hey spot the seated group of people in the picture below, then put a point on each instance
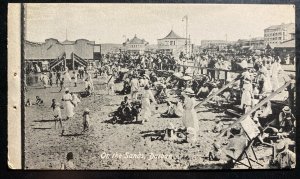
(38, 101)
(127, 111)
(175, 110)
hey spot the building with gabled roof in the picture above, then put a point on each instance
(173, 43)
(172, 35)
(135, 45)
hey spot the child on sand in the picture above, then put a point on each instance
(86, 120)
(61, 84)
(39, 101)
(69, 164)
(28, 102)
(53, 104)
(57, 116)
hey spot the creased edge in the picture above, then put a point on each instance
(14, 86)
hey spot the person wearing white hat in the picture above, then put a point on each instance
(275, 70)
(45, 79)
(67, 98)
(75, 100)
(286, 120)
(67, 76)
(265, 77)
(146, 105)
(247, 95)
(189, 117)
(134, 83)
(284, 158)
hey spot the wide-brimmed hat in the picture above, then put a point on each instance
(187, 78)
(286, 109)
(281, 146)
(86, 110)
(67, 89)
(214, 85)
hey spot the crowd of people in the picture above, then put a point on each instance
(151, 79)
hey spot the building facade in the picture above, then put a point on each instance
(73, 53)
(256, 43)
(277, 34)
(221, 44)
(136, 45)
(173, 43)
(52, 48)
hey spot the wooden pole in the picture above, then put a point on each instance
(257, 106)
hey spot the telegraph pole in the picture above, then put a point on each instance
(186, 32)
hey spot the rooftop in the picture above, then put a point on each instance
(286, 44)
(279, 26)
(172, 35)
(136, 40)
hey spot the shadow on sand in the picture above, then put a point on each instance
(113, 121)
(72, 135)
(41, 128)
(52, 120)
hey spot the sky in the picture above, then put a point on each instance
(113, 23)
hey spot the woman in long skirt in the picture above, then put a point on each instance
(67, 98)
(247, 96)
(67, 76)
(189, 118)
(146, 105)
(275, 70)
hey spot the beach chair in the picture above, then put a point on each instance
(244, 144)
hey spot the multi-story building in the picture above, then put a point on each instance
(173, 43)
(135, 45)
(277, 34)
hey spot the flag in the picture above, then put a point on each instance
(185, 17)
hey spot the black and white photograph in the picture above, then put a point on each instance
(158, 86)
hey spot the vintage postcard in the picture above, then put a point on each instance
(151, 86)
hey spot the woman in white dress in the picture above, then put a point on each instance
(67, 98)
(45, 80)
(275, 70)
(267, 86)
(189, 117)
(247, 95)
(67, 76)
(75, 99)
(146, 105)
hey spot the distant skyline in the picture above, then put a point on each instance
(111, 23)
